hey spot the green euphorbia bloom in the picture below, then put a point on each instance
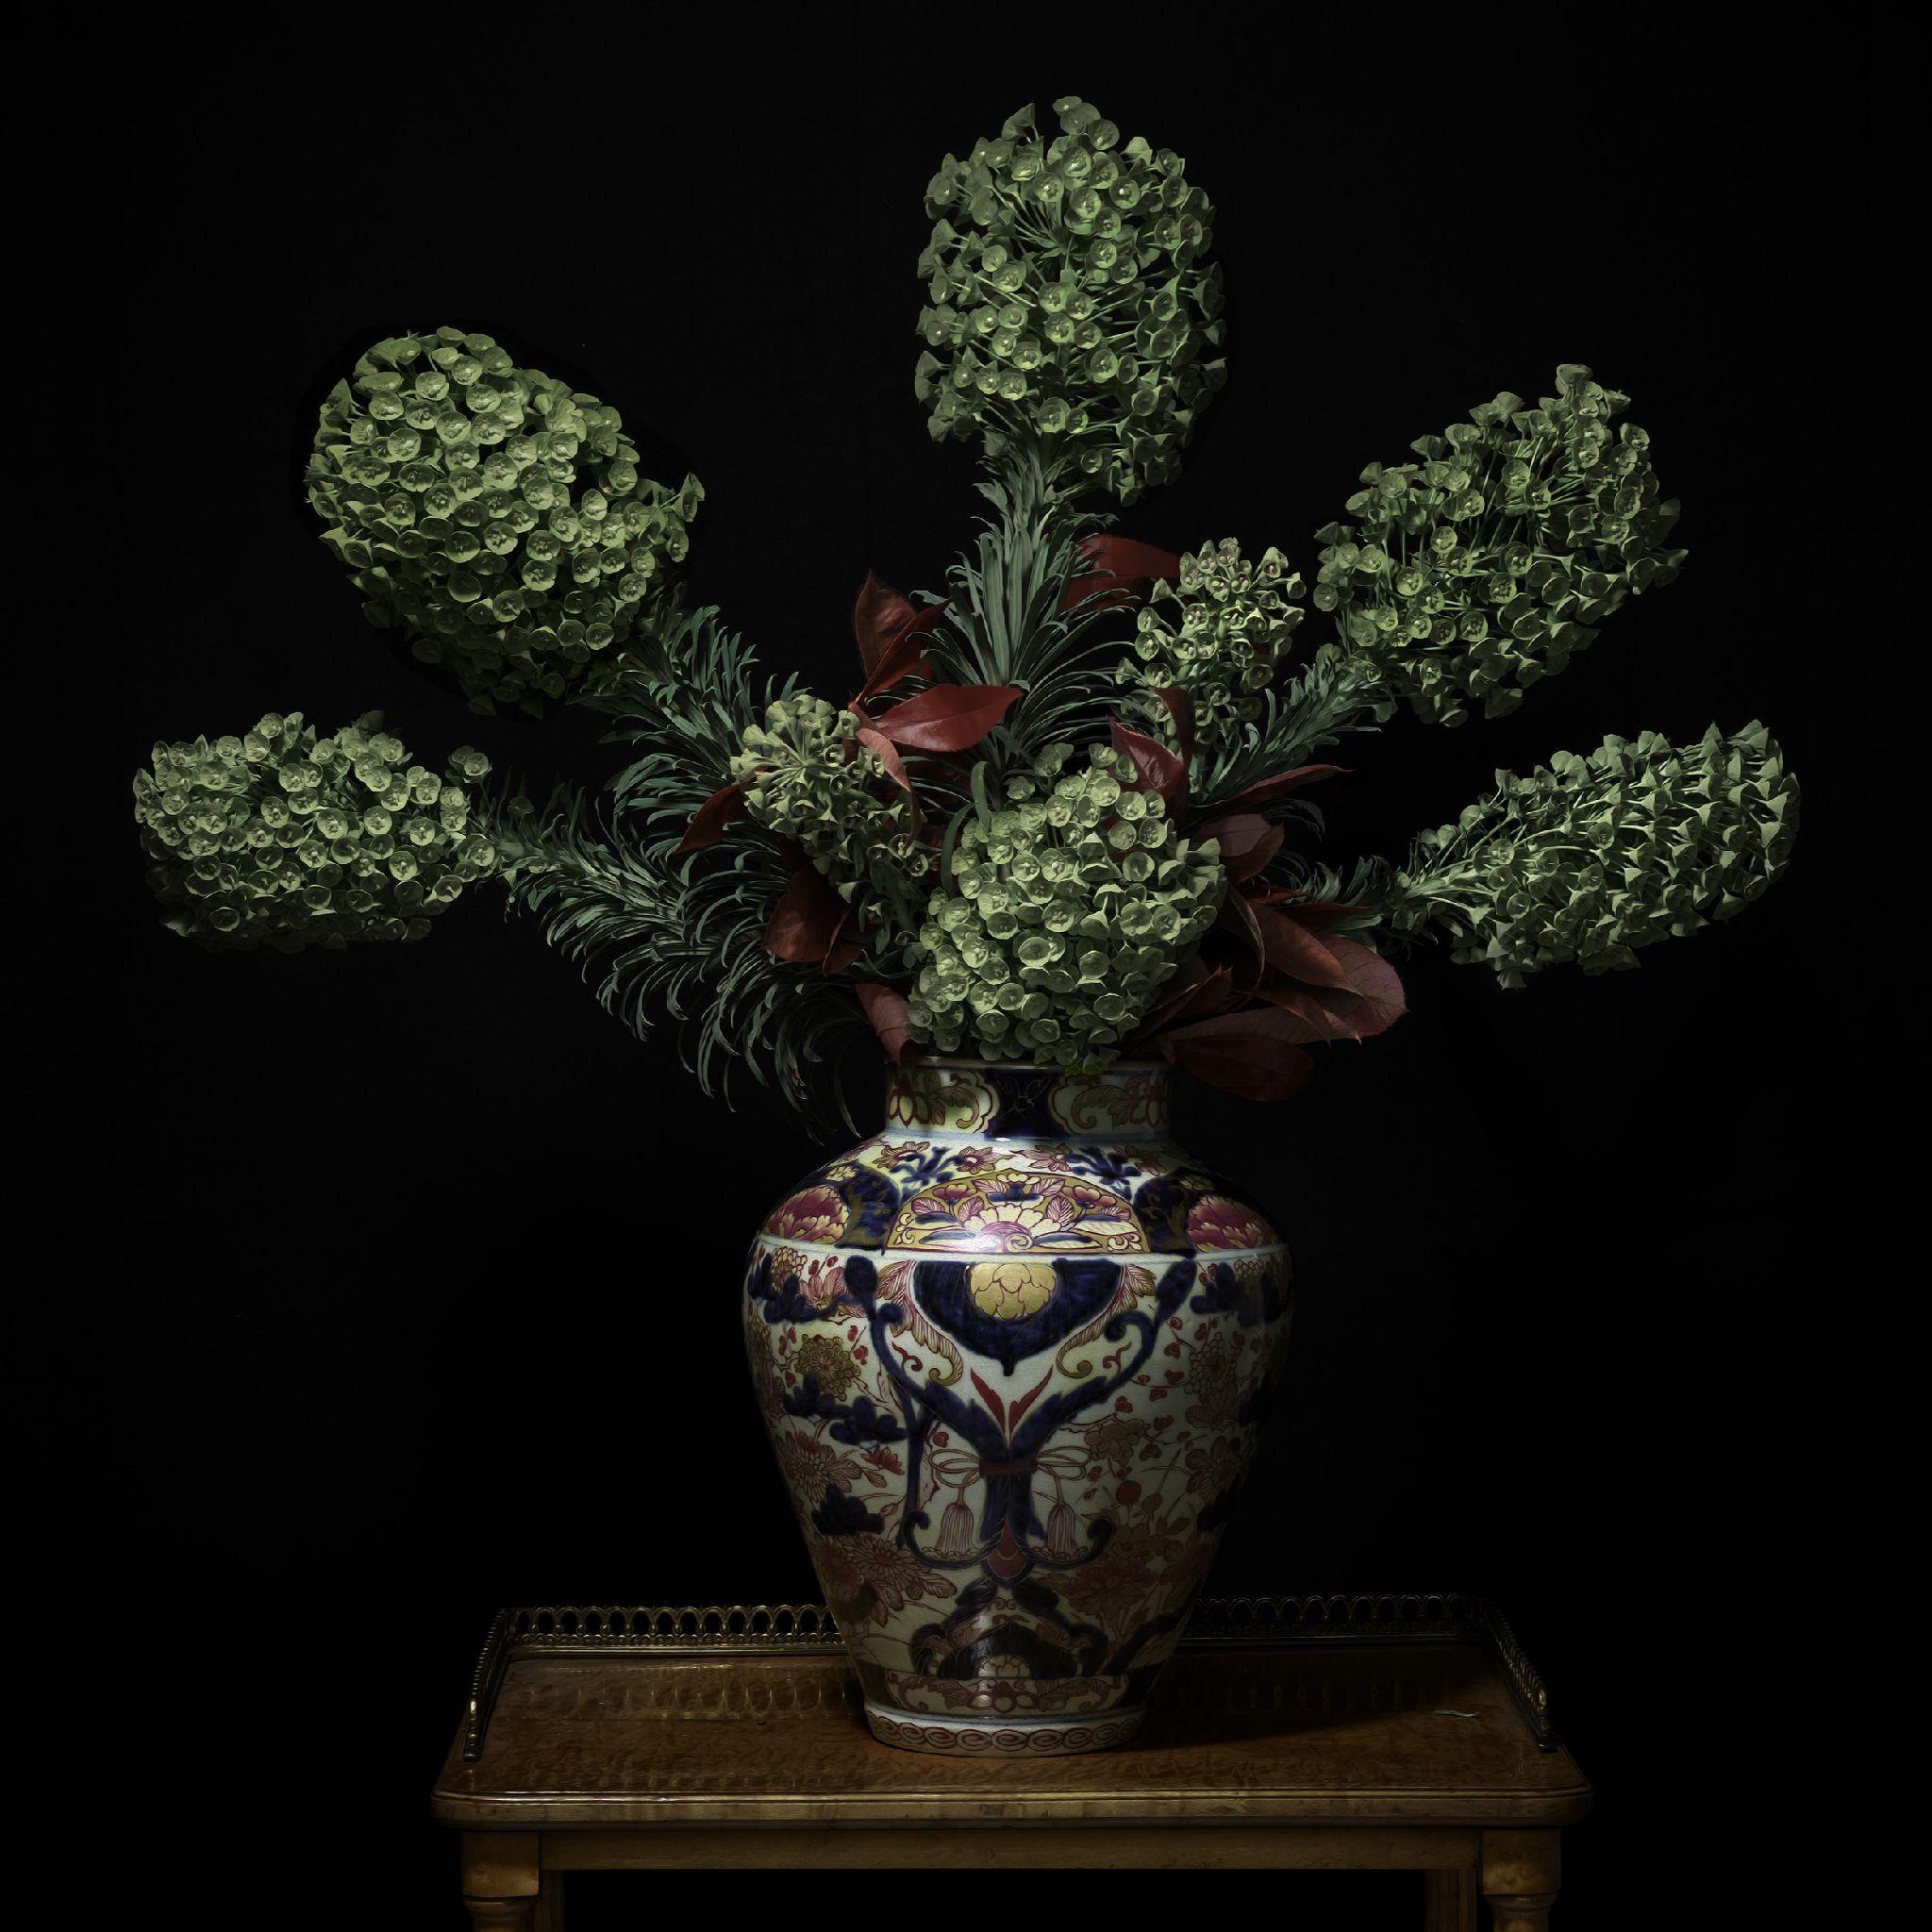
(806, 776)
(1589, 858)
(1218, 635)
(283, 839)
(1068, 911)
(1465, 578)
(494, 515)
(1068, 299)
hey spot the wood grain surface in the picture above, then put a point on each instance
(1396, 1735)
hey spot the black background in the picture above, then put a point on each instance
(414, 1275)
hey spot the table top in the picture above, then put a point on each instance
(1417, 1721)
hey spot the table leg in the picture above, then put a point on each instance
(1520, 1873)
(503, 1879)
(1452, 1901)
(518, 1915)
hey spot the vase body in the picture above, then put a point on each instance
(1013, 1352)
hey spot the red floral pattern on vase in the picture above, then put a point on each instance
(865, 1576)
(1216, 1221)
(813, 1214)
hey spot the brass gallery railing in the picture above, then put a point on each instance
(606, 1630)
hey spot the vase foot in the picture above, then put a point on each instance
(1033, 1736)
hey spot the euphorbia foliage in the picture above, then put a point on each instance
(1060, 811)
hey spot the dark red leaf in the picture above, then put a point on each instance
(842, 948)
(1330, 1015)
(709, 822)
(929, 619)
(889, 1011)
(1382, 1002)
(905, 657)
(1247, 842)
(1282, 784)
(888, 753)
(1371, 1002)
(1118, 563)
(1317, 915)
(1208, 995)
(1291, 949)
(806, 923)
(1255, 1054)
(949, 717)
(1238, 917)
(879, 614)
(1156, 768)
(1313, 1020)
(1122, 557)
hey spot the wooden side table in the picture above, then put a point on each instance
(1364, 1732)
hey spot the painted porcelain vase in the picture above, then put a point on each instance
(1014, 1353)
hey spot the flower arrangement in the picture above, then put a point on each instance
(1064, 816)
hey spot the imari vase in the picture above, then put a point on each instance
(1014, 1353)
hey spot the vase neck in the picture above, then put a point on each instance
(977, 1100)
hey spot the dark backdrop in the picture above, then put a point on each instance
(415, 1280)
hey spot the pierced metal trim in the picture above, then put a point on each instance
(811, 1630)
(725, 1629)
(1531, 1696)
(1395, 1619)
